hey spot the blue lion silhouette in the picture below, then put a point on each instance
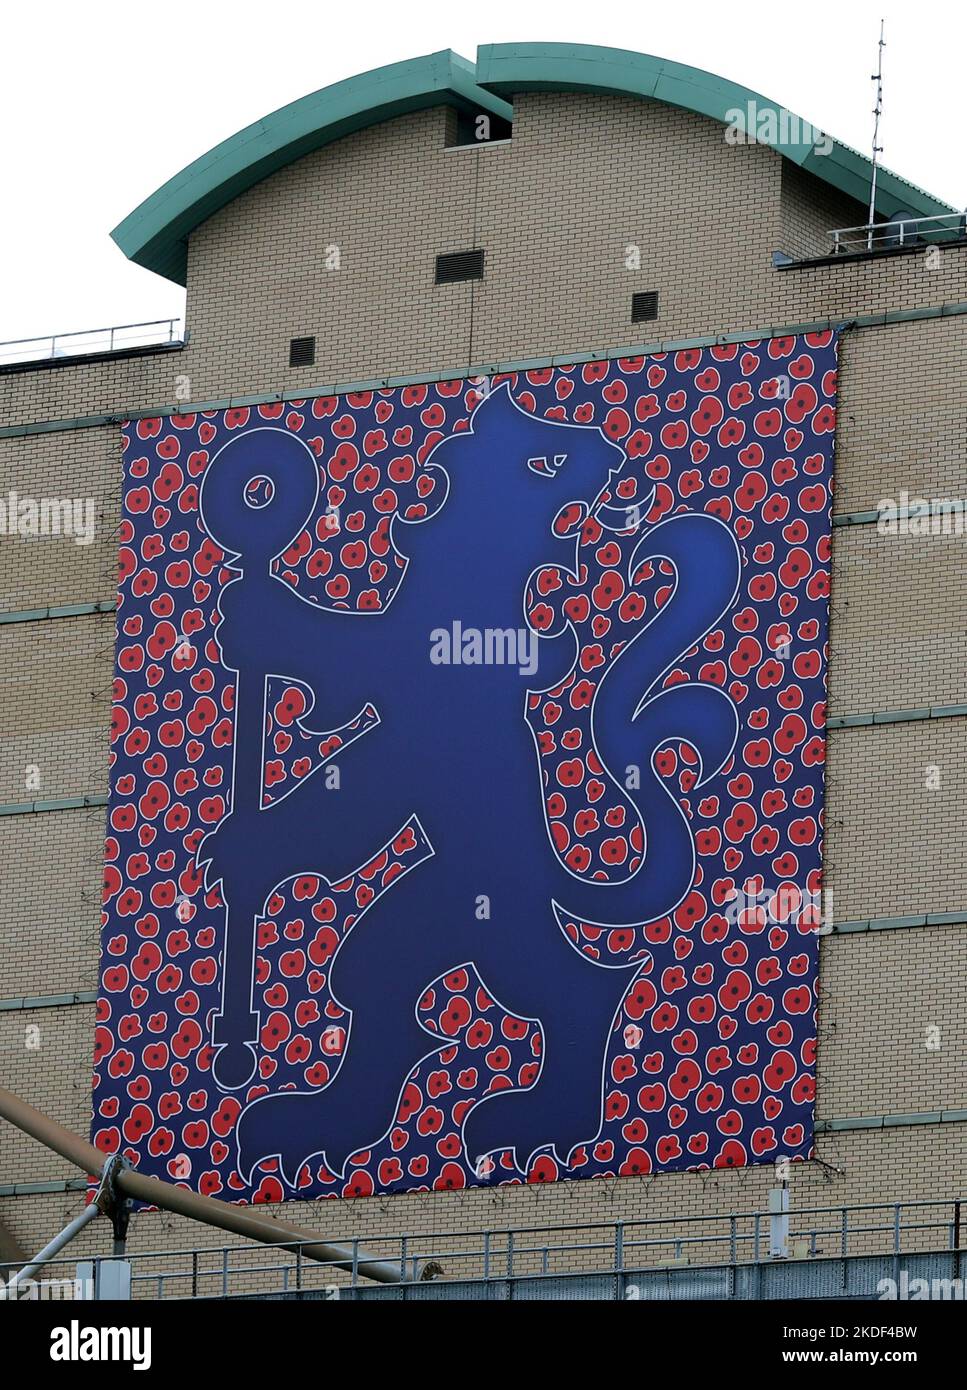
(452, 749)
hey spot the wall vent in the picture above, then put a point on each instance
(302, 352)
(644, 306)
(459, 265)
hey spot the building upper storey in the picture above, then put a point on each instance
(549, 201)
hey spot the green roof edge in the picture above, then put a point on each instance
(155, 234)
(508, 68)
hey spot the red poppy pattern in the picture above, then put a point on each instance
(711, 1061)
(292, 751)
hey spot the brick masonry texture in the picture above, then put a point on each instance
(555, 209)
(37, 571)
(898, 624)
(809, 210)
(55, 707)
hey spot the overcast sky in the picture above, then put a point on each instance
(101, 102)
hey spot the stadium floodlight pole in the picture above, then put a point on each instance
(242, 1221)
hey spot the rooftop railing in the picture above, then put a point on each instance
(899, 232)
(526, 1253)
(119, 338)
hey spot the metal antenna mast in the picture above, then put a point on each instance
(877, 149)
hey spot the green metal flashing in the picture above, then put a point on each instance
(36, 1189)
(855, 518)
(65, 803)
(48, 1001)
(895, 716)
(64, 610)
(918, 1117)
(928, 919)
(156, 233)
(931, 507)
(509, 68)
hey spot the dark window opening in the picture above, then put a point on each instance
(644, 306)
(302, 352)
(480, 128)
(459, 265)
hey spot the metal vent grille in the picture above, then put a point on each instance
(302, 352)
(459, 265)
(644, 306)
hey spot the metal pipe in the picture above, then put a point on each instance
(54, 1246)
(242, 1221)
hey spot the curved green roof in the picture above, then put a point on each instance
(506, 68)
(156, 234)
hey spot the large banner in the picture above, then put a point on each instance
(467, 779)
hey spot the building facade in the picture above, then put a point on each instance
(601, 176)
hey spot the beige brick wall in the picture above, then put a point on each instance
(73, 389)
(50, 880)
(360, 196)
(893, 1034)
(41, 571)
(810, 209)
(555, 209)
(902, 417)
(898, 621)
(55, 707)
(896, 844)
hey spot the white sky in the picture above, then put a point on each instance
(101, 102)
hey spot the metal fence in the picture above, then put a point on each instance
(899, 232)
(528, 1253)
(119, 338)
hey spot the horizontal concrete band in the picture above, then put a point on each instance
(859, 1122)
(882, 320)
